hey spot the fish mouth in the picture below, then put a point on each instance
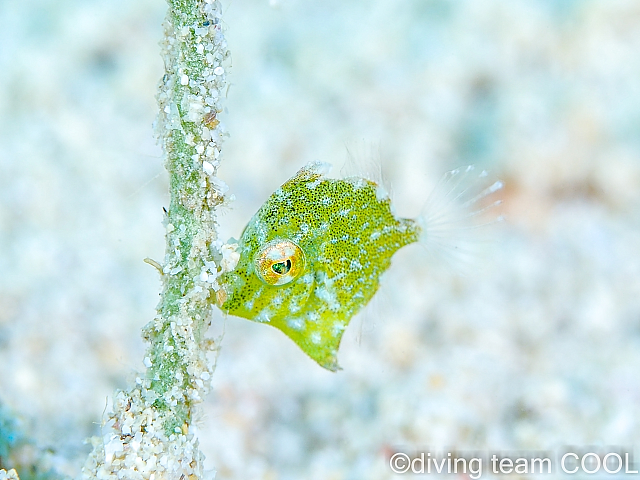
(220, 297)
(230, 284)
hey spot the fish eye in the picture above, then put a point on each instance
(279, 262)
(282, 268)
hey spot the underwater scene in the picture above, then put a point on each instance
(490, 328)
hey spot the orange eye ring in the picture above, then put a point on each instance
(279, 262)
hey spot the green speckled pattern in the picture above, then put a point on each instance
(348, 234)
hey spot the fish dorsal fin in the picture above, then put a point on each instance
(313, 170)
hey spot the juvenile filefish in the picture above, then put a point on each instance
(312, 256)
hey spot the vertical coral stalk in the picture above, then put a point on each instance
(149, 434)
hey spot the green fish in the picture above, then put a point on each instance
(313, 254)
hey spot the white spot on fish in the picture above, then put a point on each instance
(296, 323)
(335, 278)
(294, 306)
(337, 328)
(314, 184)
(258, 293)
(328, 295)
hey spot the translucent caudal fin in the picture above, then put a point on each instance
(456, 218)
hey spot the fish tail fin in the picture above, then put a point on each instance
(455, 218)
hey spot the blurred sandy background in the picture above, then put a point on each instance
(539, 350)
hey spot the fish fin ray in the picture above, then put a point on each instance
(456, 215)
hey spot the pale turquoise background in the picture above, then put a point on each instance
(537, 350)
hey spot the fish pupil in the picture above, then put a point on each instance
(282, 268)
